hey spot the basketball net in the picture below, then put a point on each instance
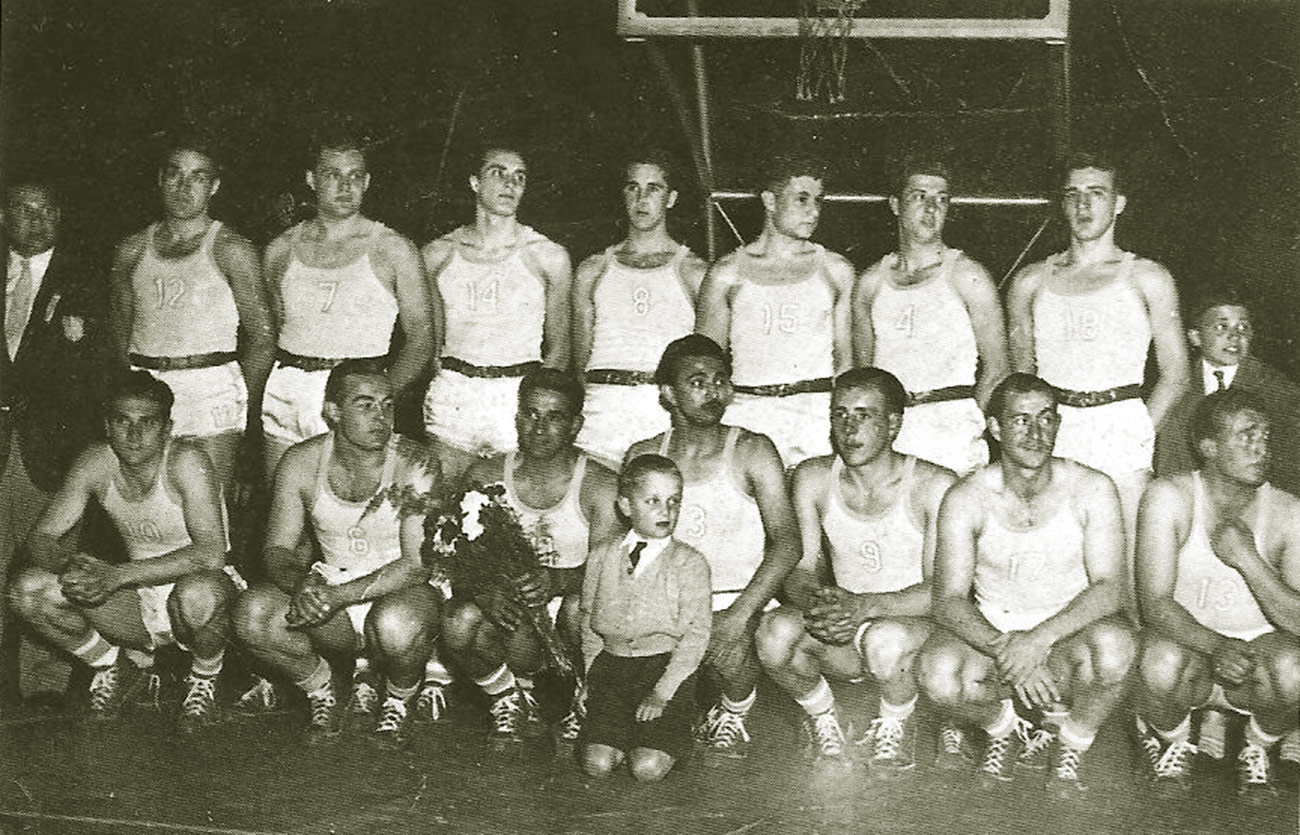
(824, 27)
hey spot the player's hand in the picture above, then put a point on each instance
(833, 618)
(502, 609)
(1038, 689)
(729, 640)
(534, 588)
(88, 581)
(313, 604)
(1233, 543)
(651, 707)
(1233, 661)
(1020, 653)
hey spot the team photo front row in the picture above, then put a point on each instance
(1006, 601)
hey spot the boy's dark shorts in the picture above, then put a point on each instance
(615, 686)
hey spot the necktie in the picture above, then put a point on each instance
(17, 306)
(1218, 376)
(635, 556)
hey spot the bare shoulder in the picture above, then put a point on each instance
(967, 495)
(93, 465)
(131, 249)
(932, 478)
(1151, 278)
(647, 446)
(839, 268)
(1169, 496)
(1286, 506)
(487, 470)
(300, 462)
(967, 272)
(1030, 279)
(726, 270)
(438, 252)
(187, 460)
(869, 280)
(277, 251)
(395, 244)
(812, 472)
(550, 256)
(230, 246)
(756, 451)
(592, 266)
(598, 481)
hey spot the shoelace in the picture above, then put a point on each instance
(322, 707)
(260, 696)
(827, 733)
(153, 691)
(1067, 766)
(432, 700)
(888, 734)
(1036, 741)
(1174, 760)
(364, 697)
(505, 712)
(201, 696)
(995, 754)
(570, 725)
(103, 687)
(392, 716)
(1253, 761)
(952, 738)
(729, 727)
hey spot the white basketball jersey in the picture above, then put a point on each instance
(783, 332)
(355, 543)
(874, 554)
(638, 312)
(495, 311)
(558, 533)
(182, 306)
(923, 332)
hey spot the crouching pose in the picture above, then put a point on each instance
(876, 509)
(645, 627)
(1219, 584)
(1040, 543)
(361, 489)
(163, 497)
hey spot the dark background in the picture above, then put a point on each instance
(1199, 97)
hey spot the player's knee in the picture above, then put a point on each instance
(1114, 650)
(257, 614)
(779, 632)
(938, 674)
(1283, 668)
(400, 627)
(600, 760)
(200, 595)
(32, 591)
(885, 646)
(649, 766)
(460, 624)
(1164, 666)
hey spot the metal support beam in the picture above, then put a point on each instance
(960, 200)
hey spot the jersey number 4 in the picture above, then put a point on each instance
(482, 294)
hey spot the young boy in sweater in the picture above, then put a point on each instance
(645, 627)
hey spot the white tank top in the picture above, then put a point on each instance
(1093, 341)
(352, 546)
(559, 533)
(336, 313)
(638, 312)
(784, 332)
(874, 554)
(1028, 572)
(1212, 592)
(721, 521)
(923, 331)
(152, 526)
(182, 306)
(495, 311)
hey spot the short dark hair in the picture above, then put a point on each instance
(40, 183)
(549, 379)
(195, 140)
(915, 164)
(653, 156)
(875, 379)
(1221, 296)
(141, 384)
(503, 144)
(1018, 382)
(783, 168)
(687, 347)
(1097, 158)
(340, 138)
(356, 367)
(1216, 409)
(638, 468)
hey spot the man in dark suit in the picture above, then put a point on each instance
(50, 367)
(1221, 333)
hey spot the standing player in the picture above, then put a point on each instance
(362, 490)
(1028, 587)
(1083, 320)
(181, 291)
(932, 317)
(165, 502)
(501, 301)
(340, 282)
(629, 302)
(782, 306)
(735, 511)
(565, 503)
(863, 608)
(1219, 578)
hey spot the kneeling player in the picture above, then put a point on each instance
(877, 510)
(645, 627)
(362, 489)
(163, 497)
(564, 501)
(1040, 542)
(1219, 583)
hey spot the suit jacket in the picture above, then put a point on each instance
(1281, 397)
(53, 387)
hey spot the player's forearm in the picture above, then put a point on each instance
(1280, 602)
(411, 361)
(959, 616)
(1164, 395)
(256, 367)
(800, 587)
(767, 580)
(911, 602)
(1098, 601)
(1169, 618)
(284, 567)
(45, 551)
(170, 567)
(385, 580)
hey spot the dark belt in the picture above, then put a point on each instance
(787, 389)
(489, 371)
(1088, 399)
(284, 357)
(943, 395)
(185, 363)
(618, 377)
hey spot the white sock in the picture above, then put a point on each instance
(740, 708)
(402, 693)
(899, 712)
(1072, 736)
(319, 679)
(1255, 735)
(1005, 723)
(207, 667)
(497, 682)
(1179, 734)
(97, 652)
(436, 671)
(819, 700)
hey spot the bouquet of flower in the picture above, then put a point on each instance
(477, 545)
